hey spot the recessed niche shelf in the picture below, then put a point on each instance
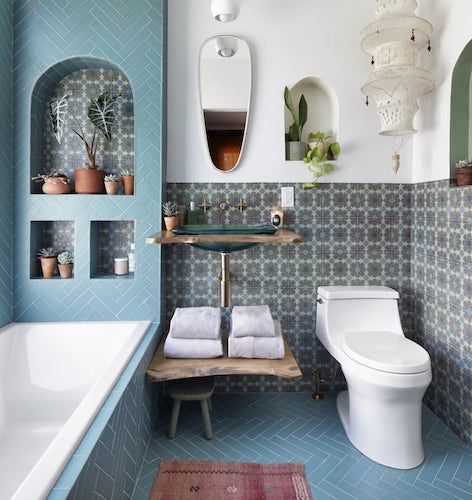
(323, 108)
(110, 240)
(44, 234)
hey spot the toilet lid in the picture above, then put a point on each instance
(386, 351)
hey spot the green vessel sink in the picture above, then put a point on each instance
(224, 230)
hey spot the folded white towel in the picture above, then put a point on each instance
(195, 323)
(257, 347)
(252, 321)
(193, 348)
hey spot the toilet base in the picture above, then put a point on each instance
(379, 432)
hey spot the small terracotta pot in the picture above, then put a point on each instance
(464, 176)
(56, 185)
(112, 187)
(128, 184)
(48, 264)
(88, 181)
(65, 270)
(172, 222)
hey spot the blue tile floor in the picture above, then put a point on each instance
(292, 427)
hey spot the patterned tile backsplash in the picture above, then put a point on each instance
(416, 239)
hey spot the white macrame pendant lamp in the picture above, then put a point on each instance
(396, 83)
(224, 10)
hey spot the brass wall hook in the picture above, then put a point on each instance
(223, 205)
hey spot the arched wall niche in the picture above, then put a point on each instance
(84, 77)
(461, 109)
(323, 107)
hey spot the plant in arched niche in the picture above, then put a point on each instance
(323, 149)
(296, 128)
(101, 113)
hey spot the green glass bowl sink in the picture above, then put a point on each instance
(224, 230)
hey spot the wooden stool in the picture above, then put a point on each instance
(191, 389)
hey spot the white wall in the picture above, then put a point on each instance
(291, 40)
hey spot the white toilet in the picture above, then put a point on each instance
(386, 373)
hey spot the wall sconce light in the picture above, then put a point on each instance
(225, 10)
(226, 46)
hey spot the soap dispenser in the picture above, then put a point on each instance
(193, 214)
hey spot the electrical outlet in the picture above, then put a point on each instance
(287, 197)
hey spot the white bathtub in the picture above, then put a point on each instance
(54, 378)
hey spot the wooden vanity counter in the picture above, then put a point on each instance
(162, 368)
(168, 237)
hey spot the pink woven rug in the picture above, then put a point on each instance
(182, 480)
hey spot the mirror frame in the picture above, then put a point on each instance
(204, 45)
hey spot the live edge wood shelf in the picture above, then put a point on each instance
(168, 237)
(162, 369)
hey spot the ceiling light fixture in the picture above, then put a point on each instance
(225, 10)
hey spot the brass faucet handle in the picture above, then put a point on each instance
(205, 205)
(241, 205)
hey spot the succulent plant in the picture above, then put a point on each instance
(65, 258)
(47, 252)
(170, 209)
(127, 172)
(464, 163)
(53, 175)
(112, 178)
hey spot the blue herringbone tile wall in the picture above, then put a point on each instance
(6, 166)
(292, 427)
(53, 38)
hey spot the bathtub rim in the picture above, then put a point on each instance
(42, 478)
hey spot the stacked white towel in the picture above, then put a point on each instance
(251, 346)
(252, 321)
(195, 332)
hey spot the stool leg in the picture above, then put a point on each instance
(206, 418)
(174, 417)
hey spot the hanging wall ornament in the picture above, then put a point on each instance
(396, 83)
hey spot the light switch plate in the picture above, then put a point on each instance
(287, 197)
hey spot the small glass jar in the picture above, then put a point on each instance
(121, 266)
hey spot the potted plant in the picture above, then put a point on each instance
(65, 262)
(54, 183)
(171, 215)
(464, 172)
(128, 181)
(112, 183)
(295, 148)
(101, 114)
(48, 258)
(323, 149)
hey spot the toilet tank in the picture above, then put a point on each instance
(355, 308)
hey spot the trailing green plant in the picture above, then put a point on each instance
(101, 113)
(65, 258)
(112, 178)
(296, 128)
(47, 253)
(170, 209)
(324, 149)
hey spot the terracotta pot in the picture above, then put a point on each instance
(464, 176)
(65, 270)
(172, 222)
(112, 187)
(88, 181)
(128, 184)
(48, 264)
(56, 185)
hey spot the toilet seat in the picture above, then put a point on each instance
(386, 351)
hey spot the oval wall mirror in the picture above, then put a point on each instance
(225, 94)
